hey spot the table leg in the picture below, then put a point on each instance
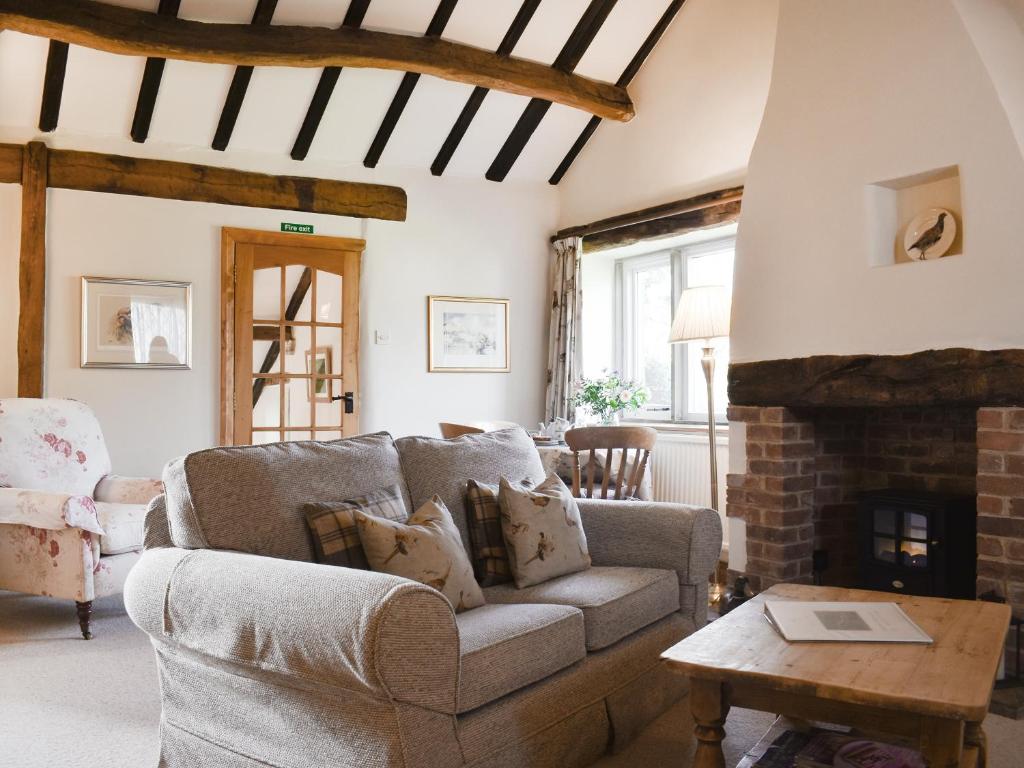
(942, 742)
(710, 706)
(974, 737)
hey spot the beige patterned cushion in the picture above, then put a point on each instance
(542, 530)
(333, 525)
(427, 548)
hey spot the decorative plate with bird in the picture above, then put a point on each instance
(929, 234)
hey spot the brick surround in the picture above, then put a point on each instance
(805, 468)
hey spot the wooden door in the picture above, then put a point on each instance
(290, 345)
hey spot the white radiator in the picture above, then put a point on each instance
(681, 472)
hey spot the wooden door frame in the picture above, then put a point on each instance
(231, 237)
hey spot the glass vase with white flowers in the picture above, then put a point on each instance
(608, 396)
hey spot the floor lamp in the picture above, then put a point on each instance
(702, 315)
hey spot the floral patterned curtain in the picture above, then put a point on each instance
(563, 337)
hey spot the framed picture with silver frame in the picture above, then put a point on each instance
(130, 323)
(467, 335)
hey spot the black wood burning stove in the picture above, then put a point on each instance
(917, 543)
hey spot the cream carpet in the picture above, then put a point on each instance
(68, 702)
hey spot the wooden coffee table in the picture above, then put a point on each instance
(934, 696)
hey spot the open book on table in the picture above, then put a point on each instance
(799, 620)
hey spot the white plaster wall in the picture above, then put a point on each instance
(699, 100)
(462, 237)
(863, 91)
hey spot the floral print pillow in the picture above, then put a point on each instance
(543, 531)
(426, 548)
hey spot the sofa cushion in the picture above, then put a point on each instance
(333, 525)
(426, 549)
(542, 531)
(123, 527)
(250, 498)
(443, 467)
(615, 601)
(507, 647)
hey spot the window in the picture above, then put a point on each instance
(647, 289)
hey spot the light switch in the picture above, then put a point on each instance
(382, 337)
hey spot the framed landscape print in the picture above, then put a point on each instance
(320, 390)
(136, 323)
(467, 334)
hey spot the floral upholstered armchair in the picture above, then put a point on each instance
(68, 528)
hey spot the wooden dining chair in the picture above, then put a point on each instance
(640, 440)
(448, 430)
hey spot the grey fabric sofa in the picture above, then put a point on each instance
(267, 658)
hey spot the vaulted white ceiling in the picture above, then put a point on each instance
(101, 89)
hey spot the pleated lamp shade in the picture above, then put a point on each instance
(703, 313)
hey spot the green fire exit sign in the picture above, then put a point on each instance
(302, 229)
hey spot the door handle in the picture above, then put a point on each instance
(350, 404)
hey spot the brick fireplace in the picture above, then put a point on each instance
(835, 427)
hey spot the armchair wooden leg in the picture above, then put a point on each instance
(84, 614)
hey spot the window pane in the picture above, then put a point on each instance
(652, 312)
(711, 267)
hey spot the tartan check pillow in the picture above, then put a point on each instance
(333, 525)
(490, 556)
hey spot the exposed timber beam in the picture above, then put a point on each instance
(142, 33)
(582, 35)
(32, 271)
(263, 15)
(151, 77)
(290, 312)
(624, 80)
(476, 98)
(325, 87)
(405, 89)
(53, 85)
(117, 174)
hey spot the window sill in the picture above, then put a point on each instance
(675, 427)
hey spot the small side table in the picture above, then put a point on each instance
(934, 696)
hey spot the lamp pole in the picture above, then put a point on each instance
(707, 362)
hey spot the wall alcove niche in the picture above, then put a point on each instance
(891, 204)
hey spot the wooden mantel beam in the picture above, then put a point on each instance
(142, 33)
(117, 174)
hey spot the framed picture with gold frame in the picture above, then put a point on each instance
(320, 389)
(467, 335)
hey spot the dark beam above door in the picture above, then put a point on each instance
(152, 76)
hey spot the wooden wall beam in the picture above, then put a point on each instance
(325, 87)
(32, 271)
(94, 172)
(405, 89)
(582, 35)
(263, 15)
(666, 226)
(53, 86)
(957, 376)
(476, 98)
(152, 75)
(11, 163)
(624, 80)
(141, 33)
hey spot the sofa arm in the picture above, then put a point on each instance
(48, 510)
(118, 489)
(650, 534)
(317, 624)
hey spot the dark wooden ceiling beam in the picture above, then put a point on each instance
(405, 89)
(262, 16)
(140, 33)
(476, 98)
(582, 35)
(624, 80)
(152, 76)
(53, 85)
(325, 87)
